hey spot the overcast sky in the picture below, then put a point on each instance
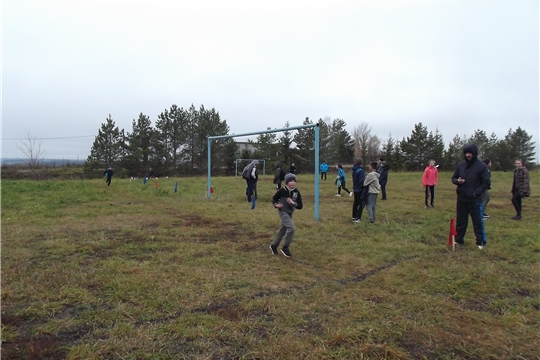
(452, 65)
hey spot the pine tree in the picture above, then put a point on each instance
(107, 149)
(521, 145)
(416, 148)
(139, 151)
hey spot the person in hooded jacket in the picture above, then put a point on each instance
(286, 200)
(472, 179)
(520, 187)
(358, 188)
(279, 175)
(382, 169)
(324, 169)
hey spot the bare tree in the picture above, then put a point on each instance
(366, 146)
(32, 148)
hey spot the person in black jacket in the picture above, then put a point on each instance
(286, 200)
(108, 175)
(382, 169)
(472, 179)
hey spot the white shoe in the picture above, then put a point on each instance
(350, 194)
(338, 195)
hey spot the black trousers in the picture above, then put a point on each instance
(516, 201)
(323, 174)
(383, 191)
(358, 206)
(476, 211)
(342, 187)
(430, 189)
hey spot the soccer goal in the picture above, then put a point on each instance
(316, 146)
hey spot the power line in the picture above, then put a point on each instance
(53, 138)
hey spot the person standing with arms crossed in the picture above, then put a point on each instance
(520, 187)
(472, 179)
(382, 169)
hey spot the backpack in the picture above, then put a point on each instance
(246, 173)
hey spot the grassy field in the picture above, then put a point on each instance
(132, 271)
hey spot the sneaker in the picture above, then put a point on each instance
(285, 251)
(485, 218)
(486, 215)
(459, 244)
(356, 221)
(274, 249)
(517, 217)
(350, 194)
(338, 195)
(480, 246)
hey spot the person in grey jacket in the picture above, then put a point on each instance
(286, 200)
(372, 183)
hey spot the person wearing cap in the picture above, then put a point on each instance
(286, 200)
(472, 179)
(108, 175)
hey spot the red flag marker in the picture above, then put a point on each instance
(452, 234)
(156, 184)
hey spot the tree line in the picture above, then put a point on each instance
(177, 146)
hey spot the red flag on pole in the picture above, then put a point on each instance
(453, 233)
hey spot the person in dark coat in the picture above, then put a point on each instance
(108, 175)
(358, 188)
(292, 169)
(279, 175)
(382, 169)
(520, 187)
(472, 179)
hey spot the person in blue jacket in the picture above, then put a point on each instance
(341, 178)
(358, 188)
(472, 179)
(324, 169)
(108, 175)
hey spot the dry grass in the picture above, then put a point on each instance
(137, 272)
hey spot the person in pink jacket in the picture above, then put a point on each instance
(429, 180)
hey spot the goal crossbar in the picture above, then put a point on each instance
(316, 146)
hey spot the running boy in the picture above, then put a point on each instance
(286, 200)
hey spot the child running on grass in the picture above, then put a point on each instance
(286, 200)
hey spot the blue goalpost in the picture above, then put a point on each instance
(316, 145)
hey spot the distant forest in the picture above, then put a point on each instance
(176, 145)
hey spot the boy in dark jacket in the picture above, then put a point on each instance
(286, 200)
(472, 179)
(358, 187)
(108, 175)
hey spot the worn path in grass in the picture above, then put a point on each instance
(135, 271)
